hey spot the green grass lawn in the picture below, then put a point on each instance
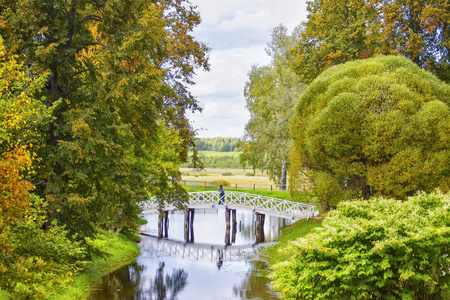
(219, 154)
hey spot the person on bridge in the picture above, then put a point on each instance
(221, 194)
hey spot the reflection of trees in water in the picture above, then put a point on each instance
(167, 287)
(122, 284)
(127, 284)
(256, 284)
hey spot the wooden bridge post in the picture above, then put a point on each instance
(233, 232)
(166, 223)
(227, 221)
(259, 227)
(227, 237)
(186, 224)
(227, 217)
(163, 224)
(160, 225)
(191, 224)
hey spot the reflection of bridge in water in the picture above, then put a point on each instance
(199, 251)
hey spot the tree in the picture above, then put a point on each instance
(122, 69)
(31, 260)
(20, 115)
(418, 30)
(334, 33)
(376, 249)
(341, 31)
(374, 127)
(270, 95)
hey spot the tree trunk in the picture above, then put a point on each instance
(283, 176)
(366, 191)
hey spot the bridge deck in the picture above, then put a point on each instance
(258, 203)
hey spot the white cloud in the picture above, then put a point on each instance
(238, 32)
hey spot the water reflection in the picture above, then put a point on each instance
(167, 287)
(255, 285)
(126, 284)
(209, 268)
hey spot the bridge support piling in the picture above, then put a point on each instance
(163, 224)
(229, 240)
(233, 232)
(227, 217)
(189, 225)
(259, 227)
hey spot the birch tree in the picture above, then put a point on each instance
(270, 94)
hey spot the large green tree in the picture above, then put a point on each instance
(340, 31)
(379, 126)
(122, 69)
(271, 93)
(31, 260)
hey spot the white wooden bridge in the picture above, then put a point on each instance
(233, 200)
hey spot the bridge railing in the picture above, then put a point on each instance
(246, 200)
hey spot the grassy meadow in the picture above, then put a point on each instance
(219, 154)
(241, 177)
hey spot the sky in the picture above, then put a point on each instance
(237, 31)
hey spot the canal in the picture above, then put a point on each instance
(211, 261)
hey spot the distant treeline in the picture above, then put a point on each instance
(221, 162)
(220, 144)
(217, 160)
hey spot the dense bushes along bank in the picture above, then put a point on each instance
(375, 249)
(120, 251)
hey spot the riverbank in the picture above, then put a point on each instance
(291, 233)
(121, 250)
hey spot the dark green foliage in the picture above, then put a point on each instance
(376, 249)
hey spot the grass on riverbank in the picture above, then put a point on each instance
(121, 250)
(297, 230)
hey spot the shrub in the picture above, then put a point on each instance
(227, 174)
(222, 182)
(377, 249)
(376, 127)
(249, 174)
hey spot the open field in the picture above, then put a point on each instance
(238, 178)
(219, 154)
